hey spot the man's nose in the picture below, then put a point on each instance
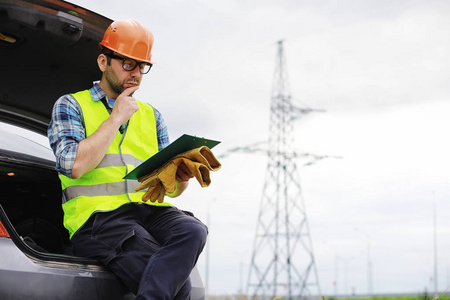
(135, 72)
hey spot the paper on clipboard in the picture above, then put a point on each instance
(182, 144)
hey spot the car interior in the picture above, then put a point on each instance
(31, 199)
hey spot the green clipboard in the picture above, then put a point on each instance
(182, 144)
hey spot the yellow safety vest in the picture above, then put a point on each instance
(104, 189)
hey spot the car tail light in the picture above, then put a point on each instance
(3, 232)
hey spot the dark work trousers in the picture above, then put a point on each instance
(151, 249)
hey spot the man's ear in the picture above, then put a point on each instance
(102, 62)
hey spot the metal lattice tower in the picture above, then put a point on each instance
(282, 262)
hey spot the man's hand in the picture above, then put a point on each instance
(183, 173)
(125, 105)
(182, 180)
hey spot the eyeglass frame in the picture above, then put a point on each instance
(112, 55)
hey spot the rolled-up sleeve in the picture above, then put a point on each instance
(65, 131)
(161, 131)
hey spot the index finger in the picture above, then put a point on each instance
(129, 91)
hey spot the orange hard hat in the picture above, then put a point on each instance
(129, 38)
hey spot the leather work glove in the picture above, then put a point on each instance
(155, 190)
(200, 162)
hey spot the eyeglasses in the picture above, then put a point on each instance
(129, 64)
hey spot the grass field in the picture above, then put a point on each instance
(418, 297)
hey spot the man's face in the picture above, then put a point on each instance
(119, 79)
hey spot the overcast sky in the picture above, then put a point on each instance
(378, 69)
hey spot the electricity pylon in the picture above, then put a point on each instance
(282, 263)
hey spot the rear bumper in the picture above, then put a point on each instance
(22, 277)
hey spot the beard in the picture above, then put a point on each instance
(113, 81)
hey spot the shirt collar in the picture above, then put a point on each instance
(96, 92)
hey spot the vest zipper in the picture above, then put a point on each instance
(122, 130)
(121, 158)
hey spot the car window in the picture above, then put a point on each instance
(17, 139)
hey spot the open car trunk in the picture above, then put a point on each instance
(31, 198)
(48, 48)
(47, 51)
(31, 206)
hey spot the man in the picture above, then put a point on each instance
(98, 136)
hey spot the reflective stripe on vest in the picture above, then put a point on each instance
(114, 160)
(103, 188)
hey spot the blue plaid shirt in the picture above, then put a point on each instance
(66, 129)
